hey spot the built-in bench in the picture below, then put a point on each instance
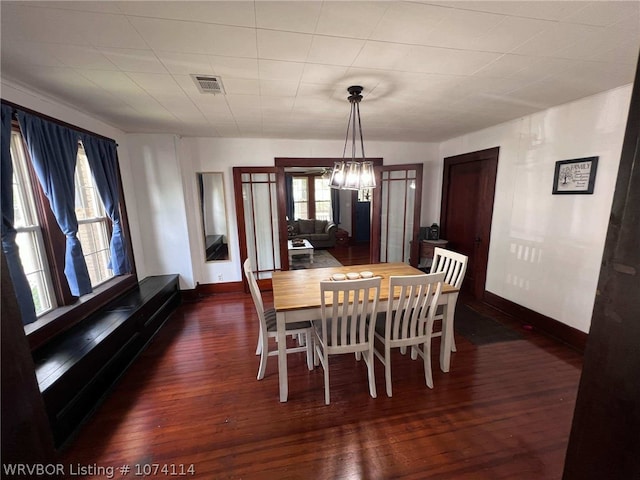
(77, 368)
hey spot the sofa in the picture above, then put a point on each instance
(320, 233)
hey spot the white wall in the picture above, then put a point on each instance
(546, 249)
(157, 175)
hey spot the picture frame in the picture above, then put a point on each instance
(575, 176)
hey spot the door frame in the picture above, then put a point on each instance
(481, 255)
(327, 162)
(376, 215)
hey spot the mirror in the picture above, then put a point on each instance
(214, 216)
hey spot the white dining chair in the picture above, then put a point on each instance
(346, 325)
(268, 327)
(409, 323)
(454, 266)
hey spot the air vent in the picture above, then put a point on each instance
(208, 83)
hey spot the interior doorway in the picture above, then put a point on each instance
(468, 187)
(361, 216)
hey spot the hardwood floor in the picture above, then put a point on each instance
(357, 254)
(192, 398)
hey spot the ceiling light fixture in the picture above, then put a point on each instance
(353, 174)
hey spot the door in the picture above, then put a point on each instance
(396, 212)
(259, 199)
(468, 188)
(361, 220)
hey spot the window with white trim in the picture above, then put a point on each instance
(29, 231)
(300, 197)
(93, 223)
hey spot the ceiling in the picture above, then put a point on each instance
(430, 70)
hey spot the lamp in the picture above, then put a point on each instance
(351, 174)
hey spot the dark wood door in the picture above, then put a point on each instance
(467, 206)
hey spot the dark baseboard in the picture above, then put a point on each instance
(204, 290)
(566, 334)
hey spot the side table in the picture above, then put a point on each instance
(342, 237)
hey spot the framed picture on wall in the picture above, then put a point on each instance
(575, 176)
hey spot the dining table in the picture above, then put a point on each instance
(296, 297)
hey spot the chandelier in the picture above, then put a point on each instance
(352, 174)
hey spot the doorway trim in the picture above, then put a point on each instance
(485, 211)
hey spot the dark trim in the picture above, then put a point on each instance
(558, 330)
(316, 162)
(203, 290)
(56, 121)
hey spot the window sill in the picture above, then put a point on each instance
(63, 318)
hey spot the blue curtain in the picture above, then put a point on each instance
(9, 246)
(288, 185)
(103, 160)
(53, 149)
(335, 205)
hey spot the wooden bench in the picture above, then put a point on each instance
(78, 368)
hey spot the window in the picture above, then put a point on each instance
(322, 198)
(41, 243)
(29, 232)
(312, 197)
(300, 197)
(93, 223)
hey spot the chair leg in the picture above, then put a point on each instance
(372, 376)
(453, 343)
(428, 376)
(325, 364)
(387, 370)
(259, 346)
(264, 355)
(309, 342)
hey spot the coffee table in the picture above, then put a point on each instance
(305, 249)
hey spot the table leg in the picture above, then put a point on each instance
(282, 355)
(311, 256)
(447, 331)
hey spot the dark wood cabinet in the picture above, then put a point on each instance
(425, 254)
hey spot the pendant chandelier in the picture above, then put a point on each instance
(352, 174)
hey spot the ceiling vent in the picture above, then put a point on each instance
(208, 83)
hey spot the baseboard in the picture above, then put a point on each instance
(566, 334)
(203, 290)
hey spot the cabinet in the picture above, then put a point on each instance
(427, 248)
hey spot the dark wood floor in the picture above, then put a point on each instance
(357, 254)
(503, 412)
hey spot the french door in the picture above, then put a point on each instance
(260, 205)
(396, 212)
(258, 193)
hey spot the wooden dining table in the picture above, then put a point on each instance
(296, 297)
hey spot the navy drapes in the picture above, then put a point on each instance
(103, 161)
(288, 185)
(53, 149)
(9, 246)
(335, 205)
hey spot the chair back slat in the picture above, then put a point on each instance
(453, 264)
(412, 316)
(347, 310)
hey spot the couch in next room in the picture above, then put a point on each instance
(320, 233)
